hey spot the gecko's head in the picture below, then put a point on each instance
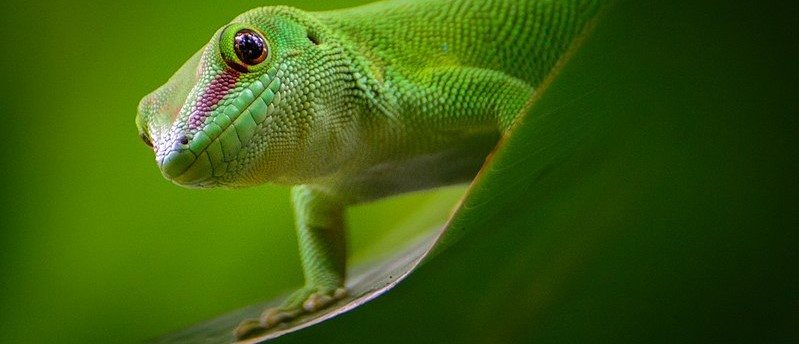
(241, 110)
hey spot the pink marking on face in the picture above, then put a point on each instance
(214, 92)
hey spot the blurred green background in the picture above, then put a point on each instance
(651, 195)
(95, 245)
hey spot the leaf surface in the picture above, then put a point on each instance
(648, 195)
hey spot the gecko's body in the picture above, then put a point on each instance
(353, 105)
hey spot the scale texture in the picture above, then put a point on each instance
(351, 106)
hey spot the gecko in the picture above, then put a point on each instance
(352, 105)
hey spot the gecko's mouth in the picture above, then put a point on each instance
(215, 148)
(185, 168)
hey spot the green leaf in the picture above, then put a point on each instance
(648, 195)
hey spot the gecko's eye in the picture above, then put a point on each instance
(250, 47)
(146, 138)
(243, 48)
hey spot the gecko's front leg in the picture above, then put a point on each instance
(321, 236)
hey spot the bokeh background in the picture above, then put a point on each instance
(96, 246)
(651, 195)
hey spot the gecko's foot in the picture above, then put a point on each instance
(303, 301)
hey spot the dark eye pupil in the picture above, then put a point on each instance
(250, 47)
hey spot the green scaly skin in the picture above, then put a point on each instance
(354, 105)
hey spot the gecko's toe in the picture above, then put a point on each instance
(319, 300)
(303, 302)
(340, 293)
(274, 316)
(248, 328)
(316, 302)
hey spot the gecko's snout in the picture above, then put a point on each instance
(184, 167)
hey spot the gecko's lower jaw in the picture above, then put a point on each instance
(184, 168)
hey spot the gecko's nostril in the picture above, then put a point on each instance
(184, 140)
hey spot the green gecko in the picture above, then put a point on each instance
(350, 106)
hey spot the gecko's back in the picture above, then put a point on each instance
(522, 38)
